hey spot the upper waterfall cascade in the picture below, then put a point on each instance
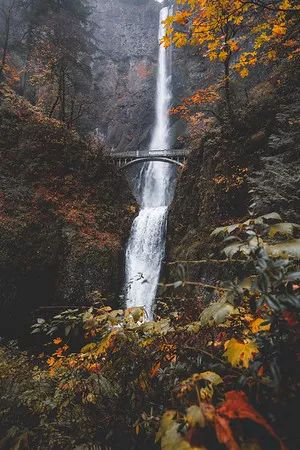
(146, 246)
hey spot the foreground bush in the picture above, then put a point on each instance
(228, 379)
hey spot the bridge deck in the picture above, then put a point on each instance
(129, 158)
(169, 153)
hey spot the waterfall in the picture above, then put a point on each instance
(146, 246)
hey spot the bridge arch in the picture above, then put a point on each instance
(151, 159)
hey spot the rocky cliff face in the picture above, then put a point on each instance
(125, 70)
(253, 166)
(65, 213)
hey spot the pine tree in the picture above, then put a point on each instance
(55, 43)
(60, 48)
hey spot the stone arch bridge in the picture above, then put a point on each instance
(127, 159)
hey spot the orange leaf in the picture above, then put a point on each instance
(51, 361)
(59, 351)
(94, 368)
(279, 30)
(256, 326)
(154, 370)
(235, 407)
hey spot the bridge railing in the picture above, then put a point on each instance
(147, 153)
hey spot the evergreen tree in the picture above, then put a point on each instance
(56, 47)
(61, 54)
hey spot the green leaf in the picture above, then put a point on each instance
(294, 276)
(235, 248)
(247, 282)
(226, 230)
(36, 330)
(245, 249)
(216, 313)
(266, 218)
(195, 416)
(283, 229)
(289, 249)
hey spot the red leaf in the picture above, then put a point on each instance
(290, 318)
(224, 433)
(236, 406)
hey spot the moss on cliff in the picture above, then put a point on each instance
(65, 213)
(251, 165)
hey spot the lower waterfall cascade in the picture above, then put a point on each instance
(146, 245)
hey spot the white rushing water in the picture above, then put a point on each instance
(146, 246)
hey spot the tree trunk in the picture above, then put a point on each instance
(227, 86)
(70, 120)
(63, 96)
(54, 106)
(29, 44)
(5, 46)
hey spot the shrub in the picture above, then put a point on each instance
(224, 380)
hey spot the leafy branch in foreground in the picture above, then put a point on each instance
(220, 380)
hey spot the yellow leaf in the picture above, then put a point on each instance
(166, 421)
(239, 353)
(88, 348)
(223, 55)
(212, 377)
(180, 39)
(212, 55)
(234, 46)
(105, 343)
(238, 20)
(272, 55)
(146, 342)
(256, 326)
(166, 41)
(181, 17)
(244, 72)
(279, 30)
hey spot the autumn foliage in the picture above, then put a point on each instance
(237, 34)
(220, 371)
(217, 381)
(222, 29)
